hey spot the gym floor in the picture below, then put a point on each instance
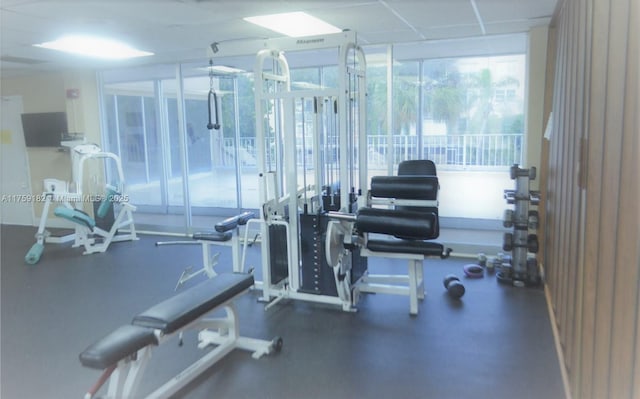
(496, 342)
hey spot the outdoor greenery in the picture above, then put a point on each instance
(464, 102)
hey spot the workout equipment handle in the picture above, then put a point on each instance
(211, 125)
(347, 217)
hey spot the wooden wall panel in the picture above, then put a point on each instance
(591, 224)
(594, 135)
(627, 273)
(613, 97)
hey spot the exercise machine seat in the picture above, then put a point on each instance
(188, 306)
(76, 216)
(123, 342)
(421, 167)
(412, 226)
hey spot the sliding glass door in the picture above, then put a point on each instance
(176, 172)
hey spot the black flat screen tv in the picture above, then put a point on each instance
(44, 129)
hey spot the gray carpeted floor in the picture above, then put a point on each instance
(496, 343)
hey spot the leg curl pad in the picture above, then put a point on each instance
(399, 223)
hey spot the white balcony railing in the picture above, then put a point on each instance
(467, 151)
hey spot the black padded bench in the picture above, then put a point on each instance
(126, 341)
(128, 347)
(180, 310)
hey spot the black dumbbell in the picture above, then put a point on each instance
(533, 219)
(532, 243)
(454, 287)
(508, 218)
(507, 242)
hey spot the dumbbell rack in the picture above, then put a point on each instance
(522, 270)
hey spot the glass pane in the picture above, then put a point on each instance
(250, 197)
(305, 79)
(474, 111)
(174, 168)
(473, 129)
(406, 83)
(211, 156)
(376, 128)
(133, 135)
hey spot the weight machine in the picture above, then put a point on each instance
(308, 163)
(313, 183)
(95, 233)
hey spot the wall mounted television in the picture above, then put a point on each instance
(44, 129)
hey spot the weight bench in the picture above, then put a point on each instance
(124, 353)
(226, 234)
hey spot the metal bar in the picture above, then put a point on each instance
(182, 129)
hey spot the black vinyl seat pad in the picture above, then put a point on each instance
(123, 342)
(425, 248)
(188, 306)
(213, 236)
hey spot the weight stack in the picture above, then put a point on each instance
(316, 275)
(278, 253)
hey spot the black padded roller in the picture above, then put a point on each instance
(232, 222)
(426, 248)
(244, 217)
(399, 223)
(227, 224)
(213, 236)
(405, 187)
(417, 167)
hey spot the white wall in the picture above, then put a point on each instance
(536, 81)
(46, 92)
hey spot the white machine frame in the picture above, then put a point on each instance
(280, 193)
(58, 191)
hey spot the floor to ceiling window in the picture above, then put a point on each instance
(460, 105)
(473, 125)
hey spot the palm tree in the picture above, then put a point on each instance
(444, 101)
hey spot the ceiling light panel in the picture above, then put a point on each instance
(95, 47)
(294, 24)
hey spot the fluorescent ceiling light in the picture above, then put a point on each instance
(94, 47)
(294, 24)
